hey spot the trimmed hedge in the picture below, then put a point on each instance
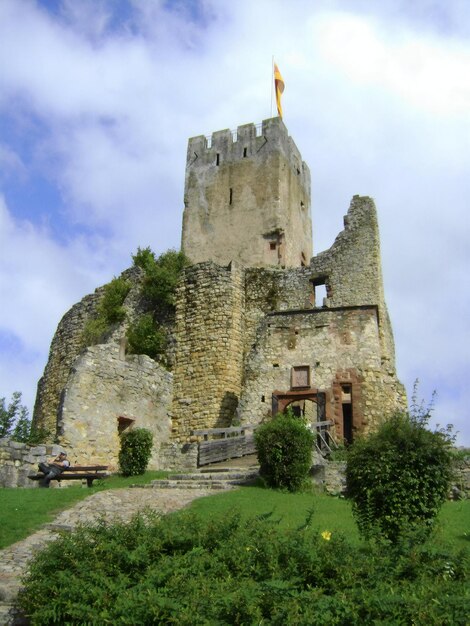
(284, 448)
(136, 448)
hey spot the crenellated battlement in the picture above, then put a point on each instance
(247, 198)
(248, 141)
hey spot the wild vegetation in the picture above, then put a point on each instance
(229, 570)
(161, 275)
(109, 311)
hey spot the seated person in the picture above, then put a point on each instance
(53, 469)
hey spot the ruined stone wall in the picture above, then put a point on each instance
(352, 270)
(68, 343)
(65, 347)
(209, 335)
(269, 290)
(247, 200)
(18, 460)
(106, 385)
(329, 341)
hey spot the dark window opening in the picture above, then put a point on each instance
(272, 245)
(124, 423)
(275, 364)
(347, 422)
(231, 196)
(217, 158)
(298, 172)
(263, 399)
(244, 152)
(302, 205)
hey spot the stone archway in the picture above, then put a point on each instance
(282, 399)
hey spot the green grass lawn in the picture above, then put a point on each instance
(22, 511)
(328, 513)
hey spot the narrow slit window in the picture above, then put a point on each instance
(244, 152)
(217, 158)
(230, 196)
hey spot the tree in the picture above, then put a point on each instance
(14, 419)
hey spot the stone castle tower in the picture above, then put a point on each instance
(260, 324)
(247, 198)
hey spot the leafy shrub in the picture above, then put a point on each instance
(161, 275)
(136, 448)
(114, 295)
(284, 449)
(399, 476)
(144, 258)
(181, 570)
(109, 311)
(145, 337)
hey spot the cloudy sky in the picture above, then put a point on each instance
(99, 97)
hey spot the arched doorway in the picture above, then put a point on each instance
(305, 408)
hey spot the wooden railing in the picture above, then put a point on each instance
(325, 441)
(220, 444)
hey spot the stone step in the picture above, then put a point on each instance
(227, 475)
(199, 480)
(191, 484)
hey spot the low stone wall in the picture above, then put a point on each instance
(18, 460)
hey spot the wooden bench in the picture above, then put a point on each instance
(78, 472)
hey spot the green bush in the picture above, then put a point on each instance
(114, 295)
(180, 570)
(399, 476)
(284, 449)
(136, 448)
(145, 337)
(109, 311)
(161, 275)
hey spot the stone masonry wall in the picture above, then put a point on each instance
(18, 460)
(270, 290)
(106, 385)
(68, 343)
(352, 271)
(325, 340)
(208, 367)
(65, 347)
(247, 199)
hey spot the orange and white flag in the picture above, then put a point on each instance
(279, 87)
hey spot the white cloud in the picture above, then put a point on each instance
(378, 101)
(427, 73)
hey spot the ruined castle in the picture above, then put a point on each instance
(260, 324)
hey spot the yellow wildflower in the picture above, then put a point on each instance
(326, 535)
